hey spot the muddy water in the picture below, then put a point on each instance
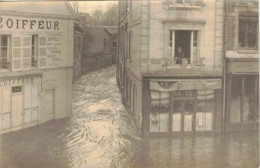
(100, 134)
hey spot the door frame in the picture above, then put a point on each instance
(183, 102)
(53, 107)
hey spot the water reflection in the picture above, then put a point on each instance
(238, 150)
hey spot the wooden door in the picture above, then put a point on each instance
(17, 110)
(48, 105)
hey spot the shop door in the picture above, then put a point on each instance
(48, 105)
(183, 116)
(17, 106)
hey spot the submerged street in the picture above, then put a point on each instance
(100, 134)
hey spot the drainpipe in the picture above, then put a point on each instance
(224, 116)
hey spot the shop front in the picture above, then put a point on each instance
(184, 106)
(19, 102)
(242, 95)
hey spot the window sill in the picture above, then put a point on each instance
(247, 51)
(185, 6)
(179, 66)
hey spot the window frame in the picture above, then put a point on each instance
(8, 57)
(171, 44)
(189, 26)
(242, 18)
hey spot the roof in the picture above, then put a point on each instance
(58, 8)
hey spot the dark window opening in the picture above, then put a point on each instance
(4, 52)
(248, 34)
(16, 89)
(182, 46)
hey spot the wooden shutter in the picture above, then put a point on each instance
(17, 53)
(26, 51)
(42, 52)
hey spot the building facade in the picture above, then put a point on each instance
(242, 63)
(97, 49)
(36, 63)
(171, 70)
(78, 44)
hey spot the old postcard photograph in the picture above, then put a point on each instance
(129, 84)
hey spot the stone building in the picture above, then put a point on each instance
(170, 65)
(189, 66)
(77, 54)
(97, 51)
(242, 65)
(36, 63)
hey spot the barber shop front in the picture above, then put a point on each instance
(19, 102)
(183, 106)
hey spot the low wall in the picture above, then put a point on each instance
(93, 63)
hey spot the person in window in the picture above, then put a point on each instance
(179, 55)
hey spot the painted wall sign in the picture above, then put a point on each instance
(28, 24)
(18, 81)
(53, 50)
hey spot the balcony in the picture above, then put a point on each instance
(185, 4)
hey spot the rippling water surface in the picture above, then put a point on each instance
(100, 134)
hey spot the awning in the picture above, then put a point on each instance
(192, 84)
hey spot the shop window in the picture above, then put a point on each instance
(176, 116)
(184, 46)
(248, 32)
(159, 112)
(248, 100)
(4, 52)
(205, 108)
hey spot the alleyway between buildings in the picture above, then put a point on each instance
(100, 134)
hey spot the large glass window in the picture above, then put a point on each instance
(4, 52)
(159, 112)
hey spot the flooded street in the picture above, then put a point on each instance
(100, 134)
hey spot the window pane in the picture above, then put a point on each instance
(242, 34)
(252, 35)
(159, 119)
(188, 114)
(3, 40)
(248, 102)
(176, 116)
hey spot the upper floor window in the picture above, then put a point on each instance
(248, 32)
(184, 46)
(4, 52)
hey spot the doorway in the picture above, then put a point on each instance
(48, 105)
(182, 115)
(17, 106)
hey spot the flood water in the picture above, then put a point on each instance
(100, 134)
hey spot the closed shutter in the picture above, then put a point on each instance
(43, 51)
(17, 53)
(26, 52)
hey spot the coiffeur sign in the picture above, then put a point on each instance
(22, 23)
(16, 81)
